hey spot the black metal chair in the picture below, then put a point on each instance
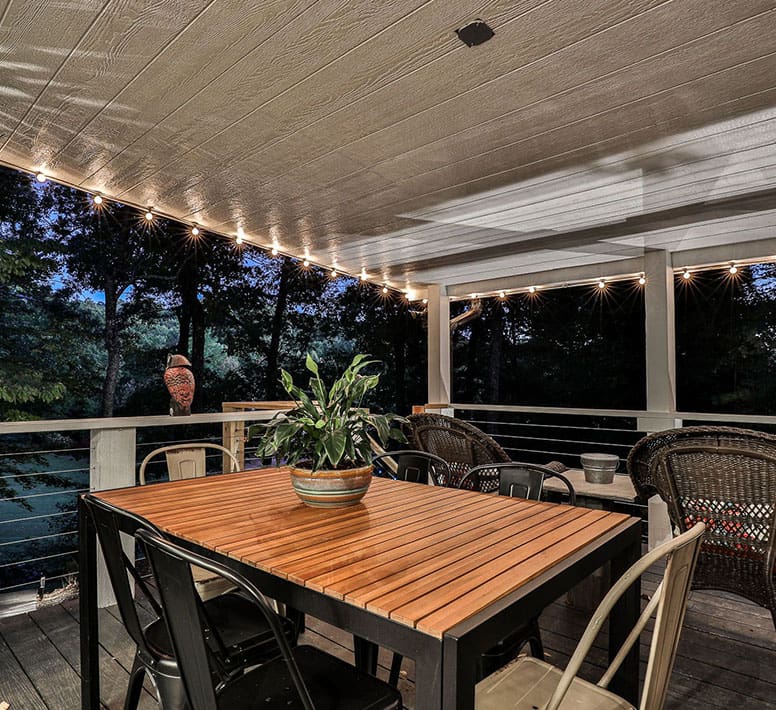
(238, 636)
(411, 465)
(302, 677)
(518, 480)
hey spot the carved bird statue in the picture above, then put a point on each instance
(179, 379)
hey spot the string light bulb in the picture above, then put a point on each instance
(195, 231)
(601, 284)
(425, 301)
(642, 280)
(306, 263)
(363, 276)
(733, 269)
(334, 273)
(686, 275)
(274, 251)
(41, 177)
(149, 216)
(97, 199)
(385, 290)
(532, 289)
(240, 235)
(502, 294)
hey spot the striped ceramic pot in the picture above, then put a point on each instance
(331, 489)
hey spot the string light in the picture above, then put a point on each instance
(363, 276)
(410, 294)
(642, 280)
(385, 290)
(306, 263)
(274, 251)
(97, 199)
(601, 284)
(686, 275)
(334, 273)
(149, 216)
(502, 294)
(532, 289)
(240, 235)
(195, 231)
(41, 177)
(425, 301)
(733, 269)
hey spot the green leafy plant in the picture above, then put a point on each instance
(328, 429)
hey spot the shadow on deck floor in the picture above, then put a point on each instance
(726, 658)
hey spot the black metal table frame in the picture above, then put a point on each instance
(444, 667)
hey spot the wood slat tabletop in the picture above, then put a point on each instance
(424, 556)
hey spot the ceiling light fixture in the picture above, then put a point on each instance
(476, 32)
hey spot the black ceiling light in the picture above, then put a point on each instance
(476, 32)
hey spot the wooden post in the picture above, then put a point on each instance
(111, 465)
(438, 344)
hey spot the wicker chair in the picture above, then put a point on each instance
(462, 445)
(725, 477)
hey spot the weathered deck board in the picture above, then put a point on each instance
(726, 656)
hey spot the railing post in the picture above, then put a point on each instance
(111, 465)
(438, 345)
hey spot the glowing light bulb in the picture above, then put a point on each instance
(363, 276)
(642, 280)
(149, 216)
(385, 290)
(41, 177)
(306, 263)
(97, 199)
(502, 294)
(274, 251)
(334, 273)
(195, 231)
(601, 284)
(686, 275)
(733, 269)
(532, 289)
(410, 294)
(240, 235)
(425, 301)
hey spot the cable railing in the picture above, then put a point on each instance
(41, 479)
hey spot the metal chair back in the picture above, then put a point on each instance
(518, 480)
(186, 460)
(181, 610)
(413, 466)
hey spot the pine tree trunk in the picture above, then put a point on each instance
(271, 388)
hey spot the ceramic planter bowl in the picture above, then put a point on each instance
(599, 468)
(331, 489)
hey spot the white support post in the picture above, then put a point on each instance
(111, 465)
(661, 370)
(438, 345)
(660, 342)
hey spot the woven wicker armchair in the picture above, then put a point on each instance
(462, 445)
(726, 478)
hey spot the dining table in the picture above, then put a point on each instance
(436, 574)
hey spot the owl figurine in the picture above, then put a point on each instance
(180, 383)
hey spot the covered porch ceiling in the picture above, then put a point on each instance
(368, 136)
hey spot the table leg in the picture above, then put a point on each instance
(365, 653)
(87, 602)
(621, 621)
(428, 677)
(459, 670)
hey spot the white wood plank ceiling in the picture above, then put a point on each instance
(367, 135)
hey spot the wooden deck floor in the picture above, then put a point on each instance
(726, 659)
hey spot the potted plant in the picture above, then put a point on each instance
(325, 439)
